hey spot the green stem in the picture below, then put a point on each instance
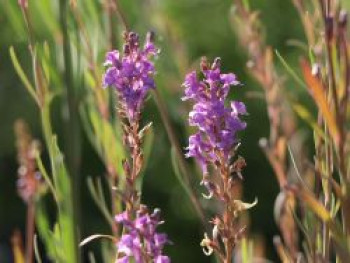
(73, 150)
(73, 135)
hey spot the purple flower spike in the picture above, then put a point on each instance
(131, 73)
(217, 124)
(141, 238)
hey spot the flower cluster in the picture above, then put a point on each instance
(131, 73)
(214, 144)
(29, 180)
(141, 241)
(217, 124)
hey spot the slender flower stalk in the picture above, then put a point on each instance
(131, 73)
(214, 146)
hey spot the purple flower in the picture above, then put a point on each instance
(141, 238)
(131, 73)
(162, 259)
(216, 123)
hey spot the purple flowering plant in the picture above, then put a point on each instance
(214, 146)
(316, 200)
(131, 74)
(216, 123)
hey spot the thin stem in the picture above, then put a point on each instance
(343, 113)
(327, 197)
(73, 138)
(228, 216)
(30, 231)
(228, 248)
(114, 226)
(344, 104)
(329, 38)
(29, 28)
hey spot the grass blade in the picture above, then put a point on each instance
(22, 75)
(315, 86)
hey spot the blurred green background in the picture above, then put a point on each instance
(186, 30)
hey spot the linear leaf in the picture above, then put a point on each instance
(317, 91)
(306, 116)
(36, 250)
(22, 75)
(289, 69)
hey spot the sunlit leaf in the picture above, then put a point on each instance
(17, 248)
(337, 234)
(303, 113)
(43, 227)
(36, 250)
(96, 236)
(247, 250)
(316, 88)
(281, 250)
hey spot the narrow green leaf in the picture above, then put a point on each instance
(177, 172)
(66, 218)
(304, 114)
(95, 194)
(22, 75)
(290, 70)
(43, 228)
(88, 130)
(45, 175)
